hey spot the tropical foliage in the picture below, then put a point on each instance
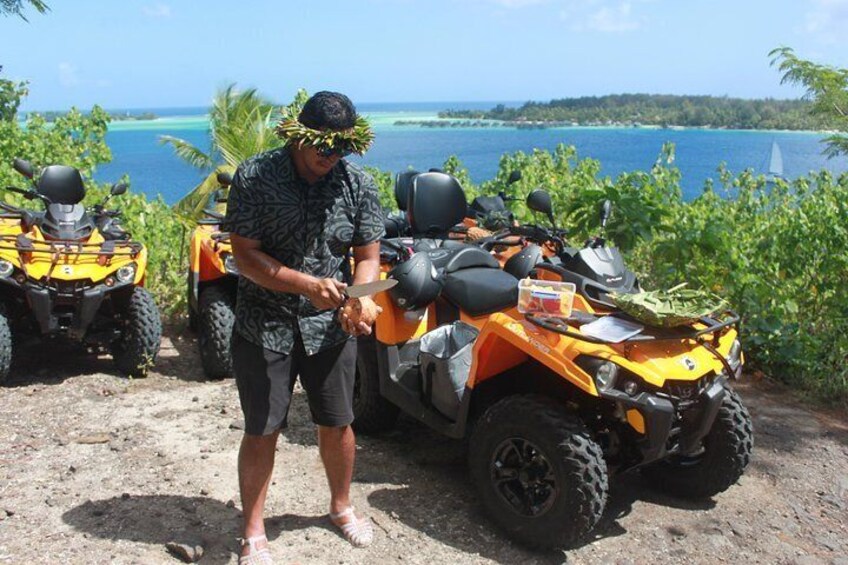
(16, 7)
(774, 251)
(75, 139)
(826, 87)
(240, 126)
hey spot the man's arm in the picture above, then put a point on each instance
(365, 310)
(367, 262)
(267, 272)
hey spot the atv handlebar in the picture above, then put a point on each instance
(23, 191)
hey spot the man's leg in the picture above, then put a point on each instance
(338, 450)
(255, 465)
(328, 378)
(264, 380)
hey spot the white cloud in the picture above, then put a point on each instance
(606, 16)
(68, 76)
(602, 16)
(827, 19)
(613, 19)
(157, 10)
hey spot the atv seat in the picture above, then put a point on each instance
(475, 284)
(435, 203)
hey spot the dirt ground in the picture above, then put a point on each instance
(95, 468)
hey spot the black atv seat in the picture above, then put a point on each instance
(475, 284)
(435, 203)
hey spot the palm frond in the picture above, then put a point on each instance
(188, 152)
(190, 207)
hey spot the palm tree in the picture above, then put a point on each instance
(240, 126)
(16, 7)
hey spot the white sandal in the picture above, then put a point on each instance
(256, 556)
(357, 531)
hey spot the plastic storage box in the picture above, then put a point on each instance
(545, 298)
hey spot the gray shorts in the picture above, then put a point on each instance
(265, 381)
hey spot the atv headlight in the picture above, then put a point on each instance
(604, 372)
(6, 268)
(126, 273)
(230, 264)
(605, 375)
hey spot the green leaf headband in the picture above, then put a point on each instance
(357, 139)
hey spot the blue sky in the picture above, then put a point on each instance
(139, 53)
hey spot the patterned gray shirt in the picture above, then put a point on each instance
(308, 228)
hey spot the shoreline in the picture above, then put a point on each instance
(397, 120)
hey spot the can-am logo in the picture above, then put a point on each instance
(614, 279)
(688, 363)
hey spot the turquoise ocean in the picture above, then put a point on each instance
(154, 169)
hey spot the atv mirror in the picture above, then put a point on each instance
(225, 179)
(23, 167)
(540, 201)
(118, 189)
(606, 211)
(514, 177)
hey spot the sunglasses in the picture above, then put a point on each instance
(328, 152)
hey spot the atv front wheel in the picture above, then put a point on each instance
(136, 349)
(539, 473)
(717, 465)
(371, 412)
(215, 330)
(5, 345)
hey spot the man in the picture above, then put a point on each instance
(294, 215)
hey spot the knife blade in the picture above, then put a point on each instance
(360, 290)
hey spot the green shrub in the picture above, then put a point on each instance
(778, 252)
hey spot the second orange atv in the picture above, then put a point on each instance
(550, 411)
(212, 281)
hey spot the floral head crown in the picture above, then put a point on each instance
(356, 139)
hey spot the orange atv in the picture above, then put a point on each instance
(72, 272)
(549, 410)
(212, 280)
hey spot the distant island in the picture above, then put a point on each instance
(50, 117)
(638, 110)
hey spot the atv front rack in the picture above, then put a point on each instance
(715, 327)
(54, 247)
(564, 326)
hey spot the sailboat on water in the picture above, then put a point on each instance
(775, 165)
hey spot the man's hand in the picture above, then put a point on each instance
(358, 315)
(325, 294)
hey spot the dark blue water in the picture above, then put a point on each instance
(153, 168)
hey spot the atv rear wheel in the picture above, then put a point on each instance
(371, 412)
(136, 349)
(215, 330)
(5, 345)
(718, 465)
(539, 473)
